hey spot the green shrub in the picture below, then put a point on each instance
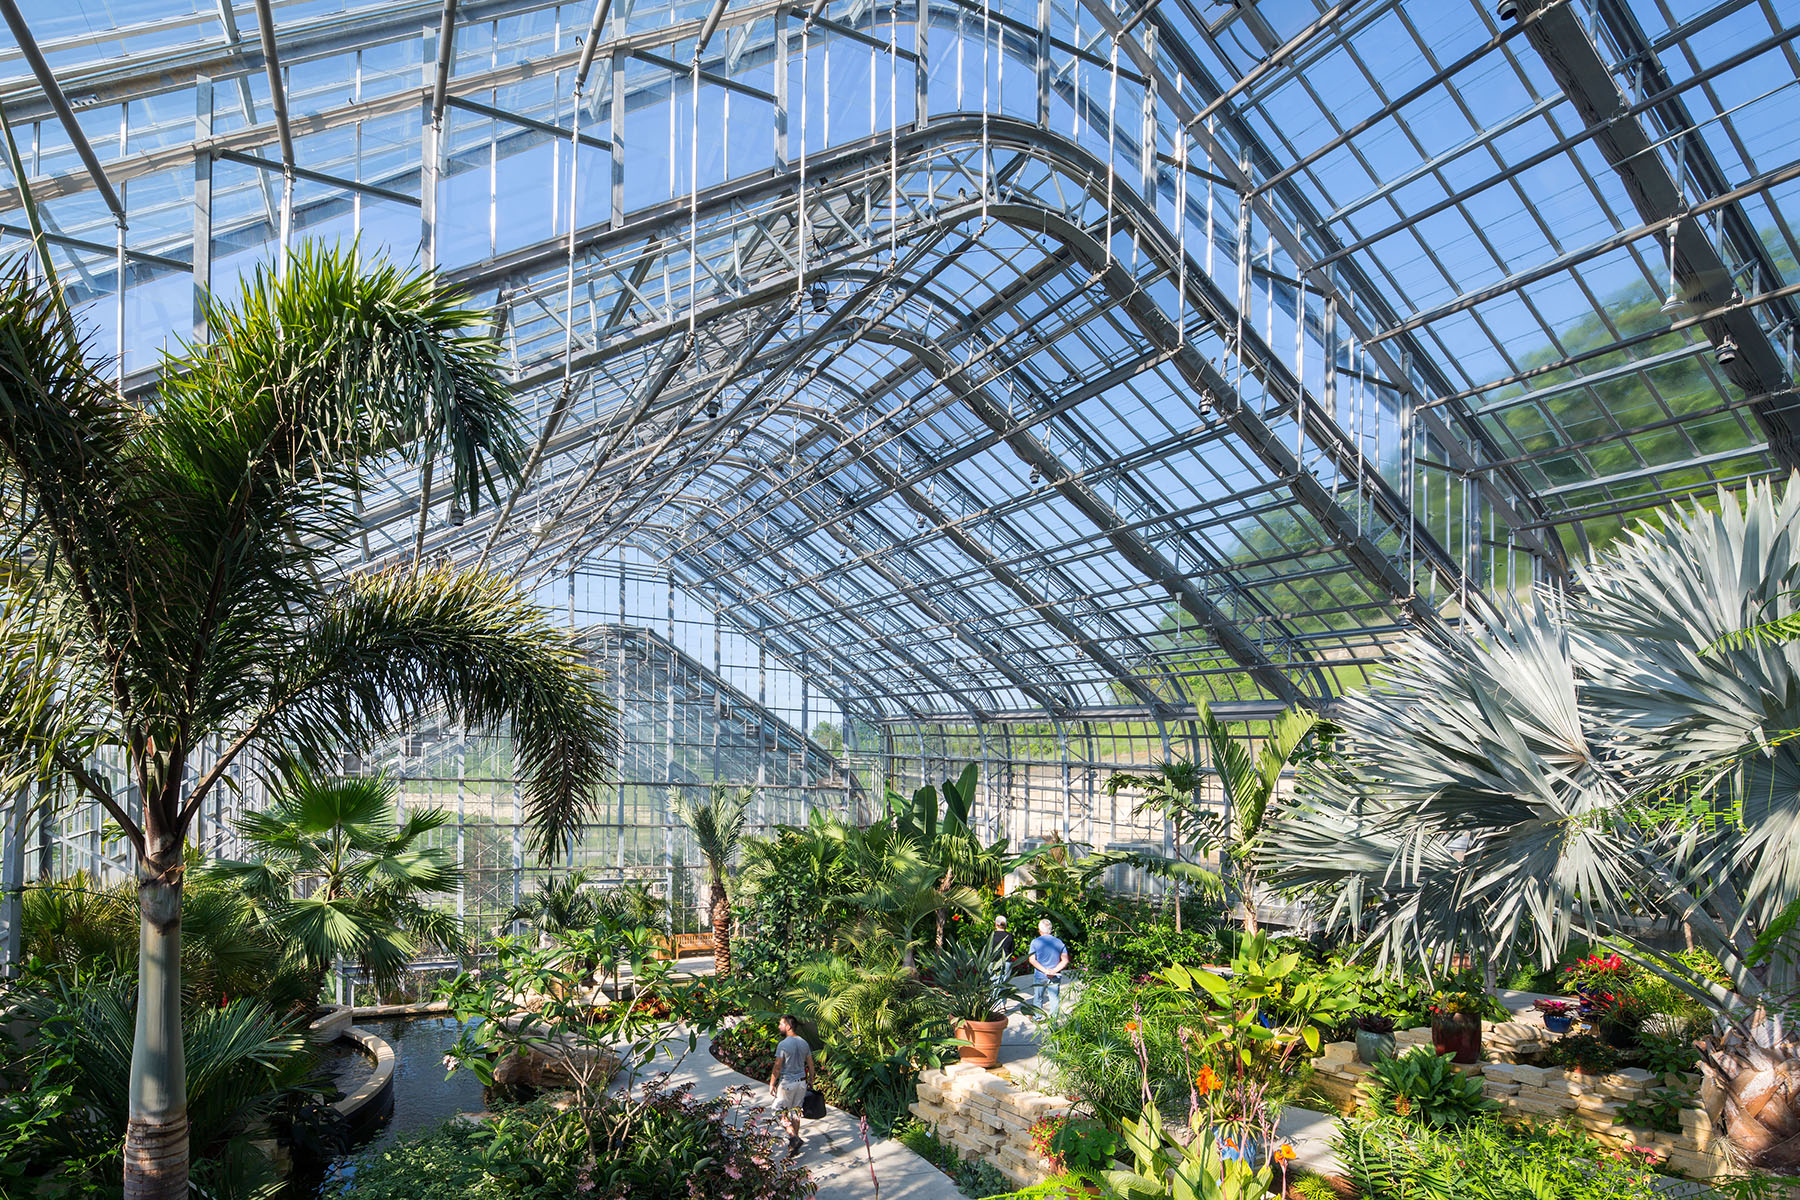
(973, 1176)
(1389, 1159)
(1090, 1046)
(1585, 1052)
(1424, 1087)
(1312, 1187)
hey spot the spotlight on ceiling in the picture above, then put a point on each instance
(712, 410)
(821, 295)
(458, 514)
(920, 523)
(1672, 304)
(1037, 476)
(1508, 10)
(1727, 352)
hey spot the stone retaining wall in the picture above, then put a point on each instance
(1547, 1094)
(987, 1117)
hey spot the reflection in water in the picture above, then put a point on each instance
(423, 1097)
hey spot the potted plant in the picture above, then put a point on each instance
(1559, 1015)
(972, 987)
(1618, 1016)
(1078, 1145)
(1374, 1038)
(1596, 973)
(1456, 1025)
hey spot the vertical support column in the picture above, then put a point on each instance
(921, 64)
(762, 724)
(781, 90)
(1068, 783)
(431, 156)
(718, 674)
(1147, 140)
(203, 172)
(12, 882)
(1043, 62)
(462, 812)
(668, 816)
(618, 148)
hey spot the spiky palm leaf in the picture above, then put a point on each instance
(717, 824)
(339, 878)
(1583, 763)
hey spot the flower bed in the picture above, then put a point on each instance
(1592, 1101)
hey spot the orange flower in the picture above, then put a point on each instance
(1207, 1080)
(1131, 1027)
(1284, 1153)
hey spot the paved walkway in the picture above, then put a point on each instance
(834, 1153)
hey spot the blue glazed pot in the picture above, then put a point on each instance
(1558, 1024)
(1237, 1147)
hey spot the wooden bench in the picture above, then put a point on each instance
(685, 945)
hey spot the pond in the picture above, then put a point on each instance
(423, 1097)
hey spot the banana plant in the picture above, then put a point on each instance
(1249, 784)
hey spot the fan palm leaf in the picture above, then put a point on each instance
(1586, 763)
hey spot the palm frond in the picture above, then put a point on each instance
(717, 824)
(393, 647)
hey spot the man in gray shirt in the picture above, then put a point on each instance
(789, 1081)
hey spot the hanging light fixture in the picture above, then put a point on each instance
(1727, 352)
(712, 409)
(1673, 303)
(458, 514)
(1037, 476)
(821, 295)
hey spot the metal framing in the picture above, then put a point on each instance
(1138, 356)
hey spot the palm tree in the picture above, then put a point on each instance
(1574, 766)
(176, 562)
(905, 892)
(336, 878)
(1249, 785)
(718, 826)
(556, 906)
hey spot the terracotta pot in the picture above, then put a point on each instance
(1458, 1036)
(984, 1039)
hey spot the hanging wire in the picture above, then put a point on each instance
(1181, 224)
(800, 204)
(569, 280)
(1300, 359)
(693, 202)
(987, 154)
(1112, 133)
(1209, 200)
(893, 139)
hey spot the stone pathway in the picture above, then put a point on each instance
(834, 1151)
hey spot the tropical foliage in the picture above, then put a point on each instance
(717, 824)
(174, 575)
(1249, 785)
(336, 878)
(1569, 767)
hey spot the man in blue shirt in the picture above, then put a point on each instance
(1049, 958)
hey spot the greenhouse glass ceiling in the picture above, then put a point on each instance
(996, 358)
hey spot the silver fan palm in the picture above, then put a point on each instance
(1598, 764)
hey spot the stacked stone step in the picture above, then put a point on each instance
(1553, 1094)
(987, 1117)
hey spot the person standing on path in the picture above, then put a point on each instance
(788, 1082)
(1049, 958)
(1000, 945)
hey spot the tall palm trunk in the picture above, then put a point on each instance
(1758, 1096)
(1252, 918)
(721, 927)
(156, 1131)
